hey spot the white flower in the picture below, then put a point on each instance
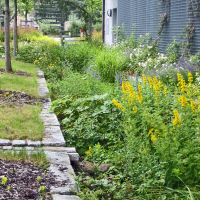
(149, 47)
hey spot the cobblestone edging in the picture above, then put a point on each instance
(53, 145)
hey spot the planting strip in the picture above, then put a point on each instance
(53, 145)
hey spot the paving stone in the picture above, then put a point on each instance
(53, 136)
(46, 108)
(41, 81)
(18, 148)
(34, 143)
(18, 142)
(69, 189)
(29, 148)
(40, 73)
(65, 197)
(5, 142)
(43, 91)
(50, 119)
(60, 158)
(7, 147)
(62, 149)
(74, 157)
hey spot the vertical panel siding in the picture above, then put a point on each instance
(146, 14)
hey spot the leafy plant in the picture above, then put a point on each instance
(4, 180)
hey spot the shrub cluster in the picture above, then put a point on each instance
(146, 125)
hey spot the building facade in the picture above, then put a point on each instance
(146, 16)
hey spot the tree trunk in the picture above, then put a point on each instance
(15, 43)
(8, 67)
(26, 16)
(90, 31)
(0, 14)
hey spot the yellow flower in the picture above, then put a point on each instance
(184, 101)
(140, 98)
(190, 77)
(35, 61)
(153, 138)
(89, 151)
(134, 109)
(124, 88)
(183, 86)
(156, 88)
(165, 90)
(179, 78)
(129, 87)
(140, 88)
(150, 82)
(155, 80)
(160, 84)
(144, 79)
(143, 150)
(150, 131)
(118, 105)
(199, 104)
(193, 106)
(177, 119)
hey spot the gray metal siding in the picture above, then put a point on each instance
(145, 14)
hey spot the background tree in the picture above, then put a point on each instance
(8, 67)
(25, 7)
(15, 42)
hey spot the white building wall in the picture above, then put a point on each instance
(109, 4)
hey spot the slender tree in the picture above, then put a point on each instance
(15, 42)
(8, 67)
(26, 6)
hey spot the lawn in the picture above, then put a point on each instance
(20, 122)
(13, 82)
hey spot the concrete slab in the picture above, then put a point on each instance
(4, 142)
(53, 136)
(34, 143)
(65, 197)
(18, 142)
(50, 119)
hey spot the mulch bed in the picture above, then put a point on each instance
(19, 73)
(18, 98)
(22, 181)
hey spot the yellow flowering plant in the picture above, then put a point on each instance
(163, 121)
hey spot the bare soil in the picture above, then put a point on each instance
(22, 181)
(18, 98)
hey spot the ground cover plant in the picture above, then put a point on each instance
(146, 127)
(19, 103)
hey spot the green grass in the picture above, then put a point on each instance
(21, 122)
(37, 158)
(12, 82)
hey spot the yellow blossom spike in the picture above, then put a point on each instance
(193, 105)
(150, 131)
(153, 138)
(144, 79)
(190, 77)
(184, 101)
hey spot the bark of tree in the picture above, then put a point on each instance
(0, 14)
(8, 67)
(26, 17)
(15, 42)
